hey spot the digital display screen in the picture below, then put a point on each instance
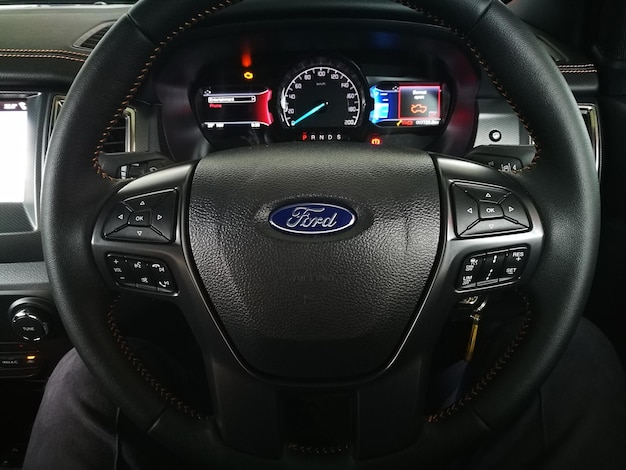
(227, 107)
(13, 150)
(406, 104)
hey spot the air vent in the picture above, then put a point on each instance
(91, 38)
(121, 137)
(92, 41)
(592, 122)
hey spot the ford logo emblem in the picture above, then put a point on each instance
(312, 219)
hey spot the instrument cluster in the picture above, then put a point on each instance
(316, 98)
(389, 84)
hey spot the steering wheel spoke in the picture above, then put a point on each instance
(137, 238)
(494, 232)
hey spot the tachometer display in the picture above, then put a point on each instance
(321, 94)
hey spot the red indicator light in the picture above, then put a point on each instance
(304, 136)
(246, 58)
(375, 140)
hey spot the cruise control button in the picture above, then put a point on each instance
(466, 209)
(469, 271)
(514, 210)
(489, 210)
(494, 226)
(117, 219)
(514, 264)
(491, 268)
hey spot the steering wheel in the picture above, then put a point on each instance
(320, 269)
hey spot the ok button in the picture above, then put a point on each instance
(140, 219)
(488, 210)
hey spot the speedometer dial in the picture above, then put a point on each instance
(322, 94)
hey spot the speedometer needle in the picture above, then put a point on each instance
(309, 113)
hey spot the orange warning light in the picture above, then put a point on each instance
(375, 140)
(248, 75)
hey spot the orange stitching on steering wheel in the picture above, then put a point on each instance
(143, 372)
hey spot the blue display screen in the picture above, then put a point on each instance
(406, 104)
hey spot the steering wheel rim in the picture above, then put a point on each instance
(562, 181)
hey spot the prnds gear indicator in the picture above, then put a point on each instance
(406, 104)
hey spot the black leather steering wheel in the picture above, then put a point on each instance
(368, 328)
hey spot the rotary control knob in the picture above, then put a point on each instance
(30, 319)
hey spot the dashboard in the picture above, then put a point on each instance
(384, 82)
(381, 82)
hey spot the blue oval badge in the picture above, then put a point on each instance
(312, 219)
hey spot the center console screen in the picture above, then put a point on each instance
(13, 150)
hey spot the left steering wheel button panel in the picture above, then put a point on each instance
(145, 218)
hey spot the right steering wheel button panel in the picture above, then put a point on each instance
(486, 210)
(493, 268)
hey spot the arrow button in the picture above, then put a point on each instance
(164, 216)
(514, 210)
(117, 219)
(465, 208)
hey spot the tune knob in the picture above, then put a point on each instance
(30, 318)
